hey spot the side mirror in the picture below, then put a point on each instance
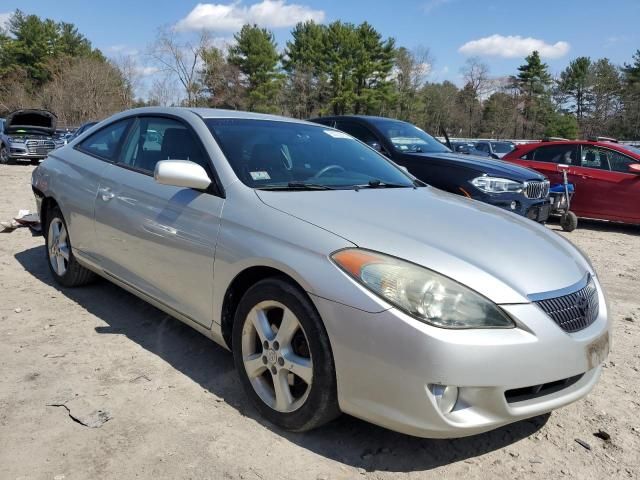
(181, 173)
(634, 168)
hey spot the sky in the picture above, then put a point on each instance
(499, 32)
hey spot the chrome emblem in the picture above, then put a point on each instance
(582, 304)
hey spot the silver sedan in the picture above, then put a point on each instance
(339, 282)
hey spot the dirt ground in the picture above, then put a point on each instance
(71, 359)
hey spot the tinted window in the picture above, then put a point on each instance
(105, 142)
(361, 132)
(483, 147)
(153, 139)
(565, 154)
(406, 137)
(502, 147)
(272, 154)
(604, 159)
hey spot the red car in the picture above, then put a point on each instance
(606, 175)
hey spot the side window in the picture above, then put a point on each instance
(594, 157)
(153, 139)
(618, 162)
(106, 142)
(482, 147)
(360, 132)
(565, 154)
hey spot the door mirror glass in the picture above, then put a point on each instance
(634, 168)
(181, 173)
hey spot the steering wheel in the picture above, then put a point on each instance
(328, 168)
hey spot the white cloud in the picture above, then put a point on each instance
(146, 71)
(4, 19)
(231, 17)
(431, 5)
(512, 46)
(122, 50)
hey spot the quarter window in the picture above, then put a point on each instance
(153, 139)
(361, 133)
(105, 143)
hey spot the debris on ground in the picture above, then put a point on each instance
(601, 434)
(583, 443)
(24, 219)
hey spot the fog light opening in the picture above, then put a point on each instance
(446, 397)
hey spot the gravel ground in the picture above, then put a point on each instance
(95, 383)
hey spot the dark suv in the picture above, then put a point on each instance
(499, 183)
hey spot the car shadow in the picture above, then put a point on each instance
(347, 440)
(598, 226)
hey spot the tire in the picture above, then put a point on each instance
(290, 347)
(569, 222)
(63, 264)
(4, 155)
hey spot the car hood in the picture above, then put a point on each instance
(503, 256)
(490, 166)
(34, 122)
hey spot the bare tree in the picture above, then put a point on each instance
(476, 76)
(163, 92)
(181, 60)
(130, 72)
(411, 70)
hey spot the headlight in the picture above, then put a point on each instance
(422, 293)
(16, 139)
(496, 185)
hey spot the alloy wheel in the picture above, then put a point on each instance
(4, 155)
(58, 245)
(276, 356)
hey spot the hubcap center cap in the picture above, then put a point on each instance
(272, 356)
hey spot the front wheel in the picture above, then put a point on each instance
(569, 222)
(282, 354)
(4, 155)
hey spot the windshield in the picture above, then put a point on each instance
(502, 147)
(633, 149)
(409, 138)
(276, 154)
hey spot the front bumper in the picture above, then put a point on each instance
(385, 363)
(534, 209)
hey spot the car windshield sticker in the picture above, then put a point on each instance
(337, 134)
(260, 175)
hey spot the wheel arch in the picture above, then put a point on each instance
(242, 282)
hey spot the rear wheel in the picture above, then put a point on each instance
(63, 265)
(283, 357)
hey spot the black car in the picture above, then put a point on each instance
(499, 183)
(468, 148)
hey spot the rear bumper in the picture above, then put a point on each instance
(388, 362)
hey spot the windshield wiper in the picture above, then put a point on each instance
(297, 186)
(375, 183)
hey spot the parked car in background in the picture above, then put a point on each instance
(467, 148)
(605, 174)
(337, 282)
(27, 135)
(498, 183)
(83, 128)
(495, 149)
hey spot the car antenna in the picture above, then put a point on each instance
(446, 137)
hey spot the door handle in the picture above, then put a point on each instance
(106, 194)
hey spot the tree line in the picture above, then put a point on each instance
(337, 68)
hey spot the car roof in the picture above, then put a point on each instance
(367, 118)
(611, 145)
(207, 113)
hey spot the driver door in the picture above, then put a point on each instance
(159, 239)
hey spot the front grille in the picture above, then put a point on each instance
(574, 311)
(536, 189)
(40, 147)
(535, 391)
